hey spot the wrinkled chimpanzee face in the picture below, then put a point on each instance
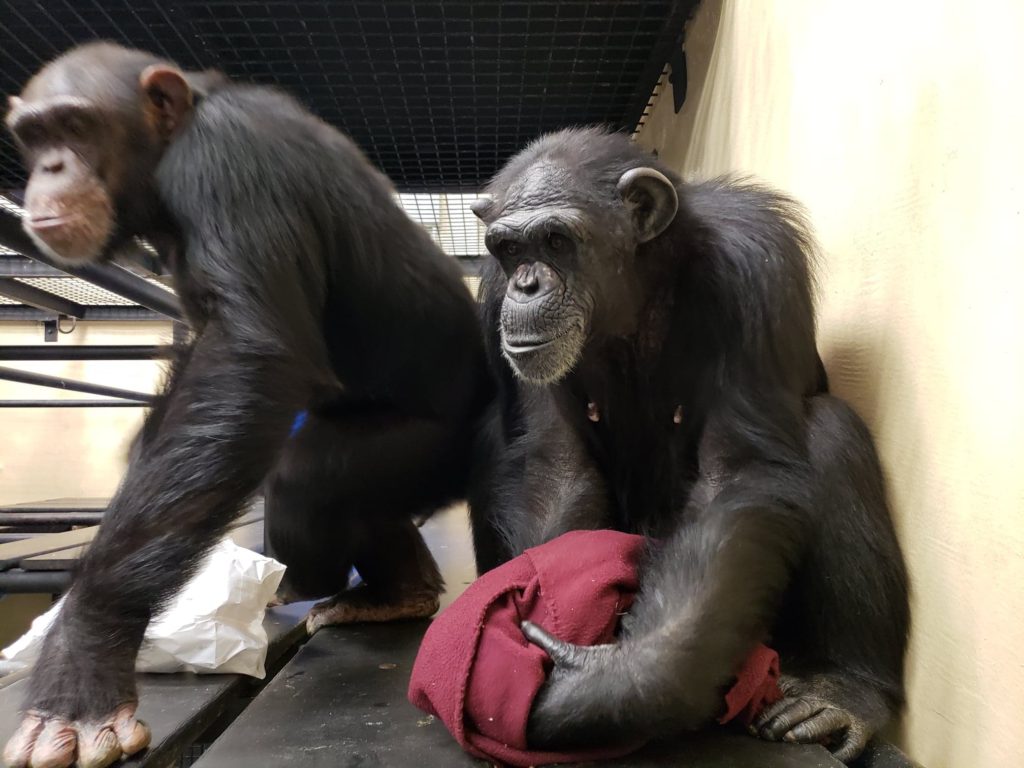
(569, 254)
(91, 127)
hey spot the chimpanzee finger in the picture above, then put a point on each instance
(853, 744)
(767, 714)
(98, 746)
(818, 727)
(55, 745)
(798, 711)
(18, 749)
(561, 652)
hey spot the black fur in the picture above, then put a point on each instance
(308, 288)
(767, 497)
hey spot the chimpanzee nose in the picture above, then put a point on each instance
(530, 281)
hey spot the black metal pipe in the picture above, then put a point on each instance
(50, 518)
(85, 352)
(108, 276)
(57, 382)
(36, 297)
(20, 266)
(92, 314)
(72, 404)
(45, 582)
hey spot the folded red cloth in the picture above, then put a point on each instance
(477, 672)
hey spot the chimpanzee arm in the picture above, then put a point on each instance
(225, 417)
(707, 597)
(541, 485)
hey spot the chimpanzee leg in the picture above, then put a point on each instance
(344, 493)
(400, 579)
(726, 578)
(224, 420)
(533, 489)
(843, 630)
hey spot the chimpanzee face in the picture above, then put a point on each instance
(568, 253)
(92, 126)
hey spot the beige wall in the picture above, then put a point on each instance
(901, 126)
(48, 453)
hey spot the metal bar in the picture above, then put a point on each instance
(72, 404)
(46, 582)
(19, 266)
(50, 518)
(56, 382)
(108, 276)
(92, 314)
(36, 297)
(84, 352)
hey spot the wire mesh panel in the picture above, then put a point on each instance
(438, 92)
(448, 219)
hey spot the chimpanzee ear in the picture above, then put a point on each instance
(481, 207)
(168, 97)
(651, 199)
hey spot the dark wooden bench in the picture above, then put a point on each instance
(179, 708)
(341, 701)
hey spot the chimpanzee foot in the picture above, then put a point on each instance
(45, 741)
(818, 711)
(357, 605)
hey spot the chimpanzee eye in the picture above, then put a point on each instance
(30, 134)
(509, 248)
(557, 242)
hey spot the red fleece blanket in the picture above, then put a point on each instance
(477, 672)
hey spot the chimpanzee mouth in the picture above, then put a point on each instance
(522, 346)
(545, 359)
(49, 222)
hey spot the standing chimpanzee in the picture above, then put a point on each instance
(661, 377)
(307, 288)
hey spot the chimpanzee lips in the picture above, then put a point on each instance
(516, 346)
(48, 222)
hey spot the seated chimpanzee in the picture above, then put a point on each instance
(307, 288)
(659, 375)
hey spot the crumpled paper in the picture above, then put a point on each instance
(215, 624)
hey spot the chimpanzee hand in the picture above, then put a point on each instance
(81, 705)
(583, 695)
(835, 710)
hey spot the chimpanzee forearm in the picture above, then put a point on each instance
(225, 417)
(707, 596)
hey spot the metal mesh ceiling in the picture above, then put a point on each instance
(438, 92)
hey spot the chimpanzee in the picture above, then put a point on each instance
(308, 289)
(660, 376)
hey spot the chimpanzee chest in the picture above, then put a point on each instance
(648, 456)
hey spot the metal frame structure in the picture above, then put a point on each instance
(151, 303)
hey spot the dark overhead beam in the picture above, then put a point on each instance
(57, 382)
(108, 276)
(36, 297)
(84, 352)
(72, 404)
(19, 266)
(118, 314)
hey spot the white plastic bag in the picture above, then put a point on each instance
(215, 624)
